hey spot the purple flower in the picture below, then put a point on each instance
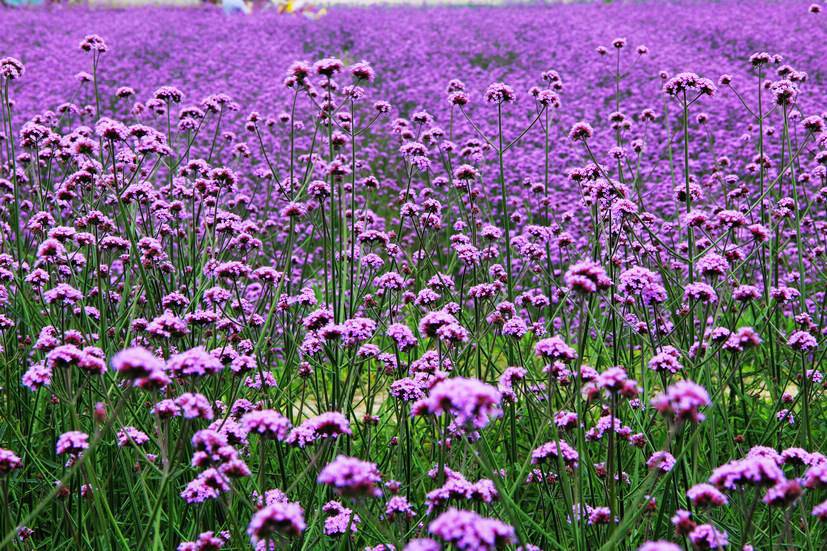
(362, 71)
(131, 436)
(278, 518)
(706, 495)
(601, 515)
(72, 442)
(136, 363)
(783, 494)
(401, 335)
(37, 376)
(11, 68)
(267, 423)
(329, 425)
(63, 294)
(209, 484)
(661, 460)
(422, 544)
(93, 43)
(660, 545)
(587, 277)
(206, 541)
(350, 476)
(194, 406)
(500, 93)
(581, 131)
(802, 341)
(700, 292)
(408, 389)
(754, 471)
(340, 519)
(9, 461)
(682, 401)
(328, 66)
(398, 506)
(705, 536)
(555, 348)
(467, 530)
(816, 476)
(549, 450)
(456, 487)
(195, 362)
(471, 402)
(685, 82)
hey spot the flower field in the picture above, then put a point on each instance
(526, 277)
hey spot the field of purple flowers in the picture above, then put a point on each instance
(415, 279)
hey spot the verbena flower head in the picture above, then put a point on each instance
(11, 68)
(467, 530)
(549, 452)
(682, 401)
(706, 536)
(706, 495)
(72, 442)
(93, 43)
(587, 277)
(555, 349)
(422, 544)
(130, 436)
(282, 518)
(208, 485)
(660, 545)
(267, 423)
(329, 425)
(755, 471)
(328, 66)
(195, 362)
(661, 460)
(581, 131)
(500, 93)
(351, 477)
(362, 71)
(802, 341)
(687, 82)
(470, 402)
(206, 541)
(340, 519)
(9, 461)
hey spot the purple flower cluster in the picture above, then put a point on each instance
(450, 297)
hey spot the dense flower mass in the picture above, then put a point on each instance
(515, 277)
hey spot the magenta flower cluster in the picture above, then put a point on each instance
(525, 277)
